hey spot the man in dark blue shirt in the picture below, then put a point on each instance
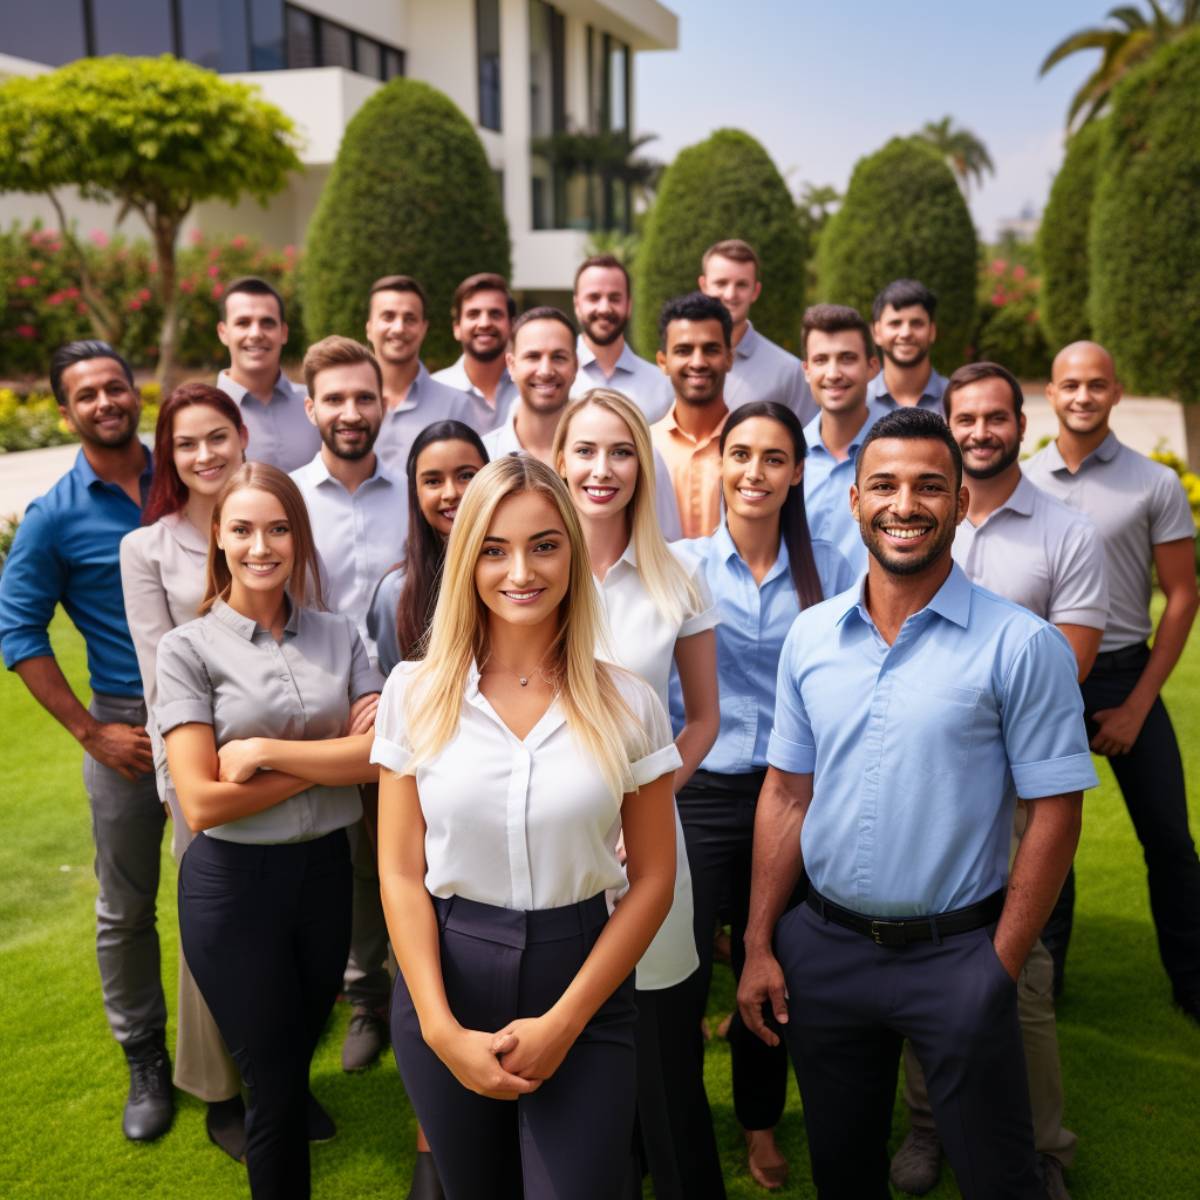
(66, 551)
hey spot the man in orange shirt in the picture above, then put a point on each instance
(696, 353)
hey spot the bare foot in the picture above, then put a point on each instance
(768, 1167)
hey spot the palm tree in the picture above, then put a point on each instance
(964, 153)
(1130, 40)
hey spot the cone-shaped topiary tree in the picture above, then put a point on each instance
(724, 187)
(411, 192)
(1063, 240)
(904, 217)
(1145, 231)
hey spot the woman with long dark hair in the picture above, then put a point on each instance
(762, 568)
(199, 442)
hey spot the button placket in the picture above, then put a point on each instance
(516, 803)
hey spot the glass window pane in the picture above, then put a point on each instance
(336, 46)
(393, 62)
(368, 57)
(55, 37)
(541, 70)
(618, 65)
(132, 27)
(266, 36)
(213, 33)
(487, 42)
(301, 38)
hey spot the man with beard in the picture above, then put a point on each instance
(397, 323)
(911, 712)
(1024, 545)
(66, 552)
(359, 520)
(904, 329)
(1141, 511)
(695, 353)
(761, 370)
(254, 328)
(482, 311)
(605, 359)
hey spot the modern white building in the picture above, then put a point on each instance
(521, 70)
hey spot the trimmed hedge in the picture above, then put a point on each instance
(411, 192)
(904, 217)
(724, 187)
(1145, 233)
(1063, 239)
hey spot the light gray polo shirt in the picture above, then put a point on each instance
(931, 397)
(1136, 504)
(1037, 552)
(764, 371)
(486, 417)
(280, 432)
(427, 402)
(223, 670)
(643, 382)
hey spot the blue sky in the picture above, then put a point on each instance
(821, 84)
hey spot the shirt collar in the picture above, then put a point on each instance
(184, 532)
(84, 469)
(1105, 452)
(413, 397)
(728, 552)
(247, 627)
(672, 424)
(934, 387)
(317, 473)
(550, 720)
(234, 390)
(952, 601)
(465, 384)
(749, 343)
(815, 441)
(1022, 499)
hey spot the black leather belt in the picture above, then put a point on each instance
(884, 931)
(1128, 658)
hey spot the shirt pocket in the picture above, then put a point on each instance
(930, 730)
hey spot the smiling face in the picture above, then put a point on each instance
(484, 326)
(253, 332)
(542, 364)
(735, 284)
(905, 334)
(256, 536)
(102, 406)
(396, 326)
(1084, 389)
(206, 448)
(602, 304)
(443, 470)
(346, 409)
(985, 427)
(907, 503)
(599, 462)
(758, 468)
(838, 369)
(524, 565)
(696, 360)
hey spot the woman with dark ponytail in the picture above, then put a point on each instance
(762, 568)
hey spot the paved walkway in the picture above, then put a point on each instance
(1142, 424)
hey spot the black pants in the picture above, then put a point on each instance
(266, 930)
(850, 1005)
(1151, 780)
(570, 1139)
(717, 812)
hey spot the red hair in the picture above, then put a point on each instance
(168, 493)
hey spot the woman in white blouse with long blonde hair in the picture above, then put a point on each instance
(512, 760)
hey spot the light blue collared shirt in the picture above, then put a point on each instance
(931, 397)
(827, 491)
(427, 402)
(486, 417)
(764, 371)
(919, 750)
(755, 619)
(643, 382)
(280, 432)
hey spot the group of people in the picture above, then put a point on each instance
(537, 672)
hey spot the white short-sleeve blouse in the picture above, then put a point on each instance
(521, 824)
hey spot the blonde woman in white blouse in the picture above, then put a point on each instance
(658, 614)
(512, 760)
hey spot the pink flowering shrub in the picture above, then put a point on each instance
(1008, 328)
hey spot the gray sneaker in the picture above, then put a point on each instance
(918, 1162)
(1052, 1177)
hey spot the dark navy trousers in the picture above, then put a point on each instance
(569, 1140)
(851, 1003)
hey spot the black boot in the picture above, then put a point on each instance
(151, 1103)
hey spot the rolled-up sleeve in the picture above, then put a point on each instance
(791, 747)
(1042, 720)
(33, 580)
(391, 747)
(185, 694)
(662, 756)
(364, 678)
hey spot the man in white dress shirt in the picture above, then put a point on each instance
(605, 359)
(359, 521)
(761, 369)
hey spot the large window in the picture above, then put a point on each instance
(547, 113)
(487, 49)
(130, 27)
(215, 35)
(55, 35)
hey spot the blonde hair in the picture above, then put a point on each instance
(670, 587)
(304, 583)
(596, 712)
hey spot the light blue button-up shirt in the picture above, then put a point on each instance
(919, 750)
(827, 491)
(755, 619)
(280, 432)
(427, 403)
(643, 382)
(764, 371)
(487, 417)
(931, 397)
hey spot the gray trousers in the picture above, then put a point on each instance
(127, 829)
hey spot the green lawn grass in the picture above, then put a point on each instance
(1131, 1062)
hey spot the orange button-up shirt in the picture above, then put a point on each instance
(695, 469)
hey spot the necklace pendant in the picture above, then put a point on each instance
(524, 679)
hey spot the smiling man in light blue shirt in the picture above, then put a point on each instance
(911, 712)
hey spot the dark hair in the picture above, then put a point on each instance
(543, 312)
(426, 550)
(834, 318)
(793, 520)
(485, 281)
(904, 293)
(611, 261)
(695, 306)
(251, 285)
(76, 352)
(973, 373)
(399, 283)
(912, 424)
(168, 493)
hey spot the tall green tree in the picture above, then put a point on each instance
(964, 153)
(1131, 37)
(153, 135)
